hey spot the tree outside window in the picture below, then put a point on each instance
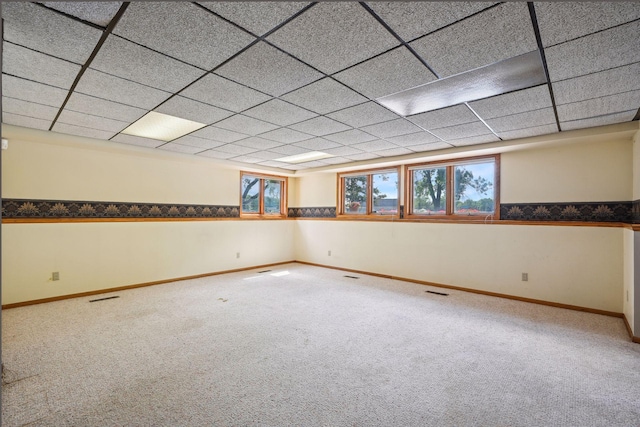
(369, 193)
(262, 195)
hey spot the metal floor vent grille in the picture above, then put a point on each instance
(103, 299)
(263, 271)
(352, 277)
(437, 293)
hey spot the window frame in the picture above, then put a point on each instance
(261, 213)
(449, 189)
(369, 209)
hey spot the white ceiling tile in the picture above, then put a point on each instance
(386, 74)
(99, 13)
(286, 136)
(461, 131)
(625, 116)
(544, 116)
(417, 138)
(391, 128)
(398, 151)
(512, 103)
(238, 150)
(288, 150)
(130, 61)
(257, 17)
(616, 80)
(136, 140)
(81, 131)
(598, 106)
(106, 86)
(25, 121)
(178, 148)
(265, 155)
(324, 96)
(201, 143)
(364, 114)
(474, 140)
(265, 68)
(184, 31)
(91, 121)
(224, 93)
(349, 137)
(320, 126)
(245, 124)
(363, 156)
(375, 145)
(334, 35)
(449, 116)
(218, 134)
(407, 18)
(563, 21)
(275, 164)
(258, 143)
(499, 33)
(597, 52)
(52, 33)
(336, 160)
(101, 107)
(216, 154)
(27, 90)
(279, 112)
(246, 159)
(343, 151)
(189, 109)
(317, 144)
(421, 148)
(29, 109)
(532, 131)
(31, 65)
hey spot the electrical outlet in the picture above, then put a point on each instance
(329, 253)
(55, 275)
(237, 254)
(525, 277)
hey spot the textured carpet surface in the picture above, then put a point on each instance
(306, 346)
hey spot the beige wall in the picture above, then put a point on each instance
(570, 265)
(316, 190)
(628, 293)
(636, 166)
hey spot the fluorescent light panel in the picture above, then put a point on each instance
(162, 127)
(515, 73)
(304, 157)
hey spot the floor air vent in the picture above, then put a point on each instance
(352, 277)
(102, 299)
(264, 271)
(437, 293)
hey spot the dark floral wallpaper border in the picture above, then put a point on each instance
(314, 212)
(635, 214)
(582, 211)
(37, 209)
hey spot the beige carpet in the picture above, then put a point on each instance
(309, 347)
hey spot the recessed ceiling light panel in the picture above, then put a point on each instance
(515, 73)
(305, 157)
(162, 127)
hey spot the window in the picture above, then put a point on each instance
(369, 193)
(454, 189)
(263, 195)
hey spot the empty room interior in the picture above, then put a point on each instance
(320, 213)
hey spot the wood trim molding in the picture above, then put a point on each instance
(475, 291)
(138, 285)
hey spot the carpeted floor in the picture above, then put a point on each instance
(306, 346)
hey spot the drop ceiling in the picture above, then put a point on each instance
(276, 79)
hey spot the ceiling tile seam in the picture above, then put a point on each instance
(34, 81)
(23, 115)
(536, 31)
(595, 32)
(596, 72)
(75, 18)
(93, 127)
(600, 97)
(41, 53)
(601, 115)
(95, 51)
(31, 102)
(522, 112)
(455, 22)
(394, 34)
(386, 138)
(159, 52)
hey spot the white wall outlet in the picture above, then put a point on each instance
(237, 254)
(525, 277)
(55, 276)
(5, 144)
(328, 253)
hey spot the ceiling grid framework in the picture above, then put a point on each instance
(274, 79)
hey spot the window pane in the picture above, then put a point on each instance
(250, 194)
(272, 189)
(429, 191)
(355, 195)
(474, 189)
(385, 193)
